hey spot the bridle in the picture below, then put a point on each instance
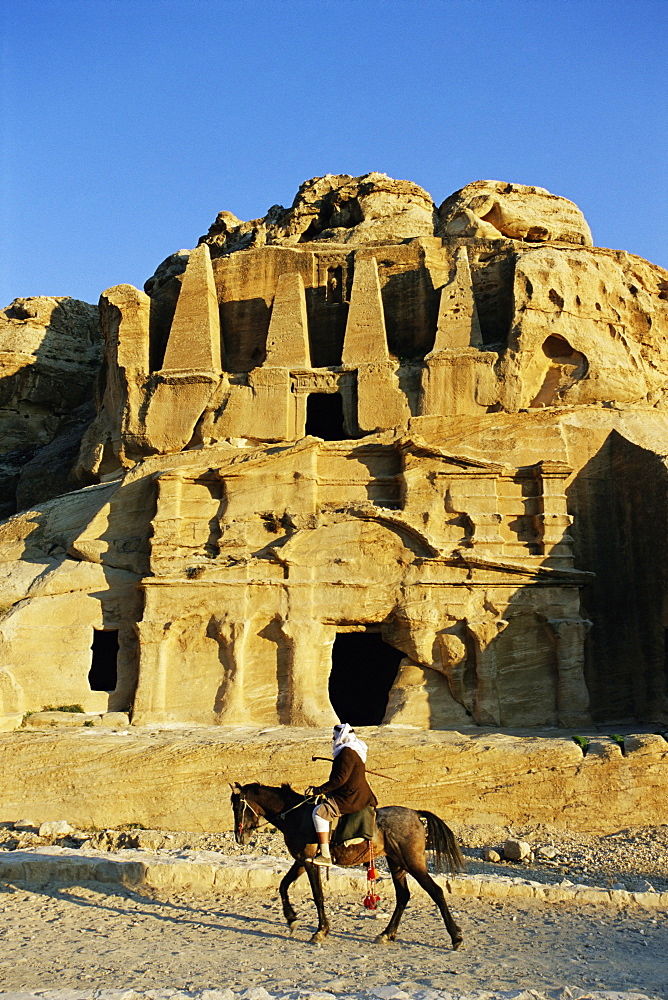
(246, 805)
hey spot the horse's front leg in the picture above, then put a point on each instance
(287, 880)
(313, 873)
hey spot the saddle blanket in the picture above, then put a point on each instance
(353, 828)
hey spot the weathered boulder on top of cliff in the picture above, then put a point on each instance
(589, 326)
(494, 209)
(336, 208)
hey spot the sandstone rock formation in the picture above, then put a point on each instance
(363, 459)
(333, 209)
(50, 357)
(532, 214)
(176, 778)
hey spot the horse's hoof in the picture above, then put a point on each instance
(457, 943)
(318, 938)
(292, 927)
(383, 939)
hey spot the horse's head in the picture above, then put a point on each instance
(247, 812)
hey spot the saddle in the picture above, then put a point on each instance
(356, 828)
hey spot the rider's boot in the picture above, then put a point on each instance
(323, 857)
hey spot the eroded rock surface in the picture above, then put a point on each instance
(360, 458)
(135, 776)
(337, 208)
(488, 209)
(50, 357)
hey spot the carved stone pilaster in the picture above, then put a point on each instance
(453, 664)
(569, 635)
(309, 643)
(553, 520)
(167, 522)
(478, 497)
(151, 695)
(486, 707)
(231, 706)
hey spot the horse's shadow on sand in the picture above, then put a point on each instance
(175, 913)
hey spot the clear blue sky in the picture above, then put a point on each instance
(128, 124)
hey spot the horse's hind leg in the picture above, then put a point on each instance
(424, 879)
(288, 911)
(403, 895)
(313, 873)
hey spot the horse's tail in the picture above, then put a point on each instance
(441, 840)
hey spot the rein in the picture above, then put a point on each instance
(310, 798)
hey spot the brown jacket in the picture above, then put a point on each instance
(347, 784)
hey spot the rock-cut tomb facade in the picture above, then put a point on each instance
(364, 458)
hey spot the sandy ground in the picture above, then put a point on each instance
(84, 936)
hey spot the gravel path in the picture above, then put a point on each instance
(76, 936)
(90, 937)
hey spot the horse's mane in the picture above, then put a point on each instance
(285, 791)
(290, 794)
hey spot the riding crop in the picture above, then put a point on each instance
(376, 773)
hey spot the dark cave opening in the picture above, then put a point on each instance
(324, 416)
(103, 673)
(364, 667)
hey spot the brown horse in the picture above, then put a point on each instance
(399, 835)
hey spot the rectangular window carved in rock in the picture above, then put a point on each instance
(335, 285)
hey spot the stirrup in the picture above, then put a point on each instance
(322, 860)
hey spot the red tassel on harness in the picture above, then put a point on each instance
(372, 899)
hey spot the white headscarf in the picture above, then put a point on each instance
(344, 736)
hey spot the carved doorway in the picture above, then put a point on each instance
(324, 416)
(364, 668)
(103, 673)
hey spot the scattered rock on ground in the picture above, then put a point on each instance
(516, 850)
(624, 860)
(546, 853)
(55, 828)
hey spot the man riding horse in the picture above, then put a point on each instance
(401, 835)
(346, 791)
